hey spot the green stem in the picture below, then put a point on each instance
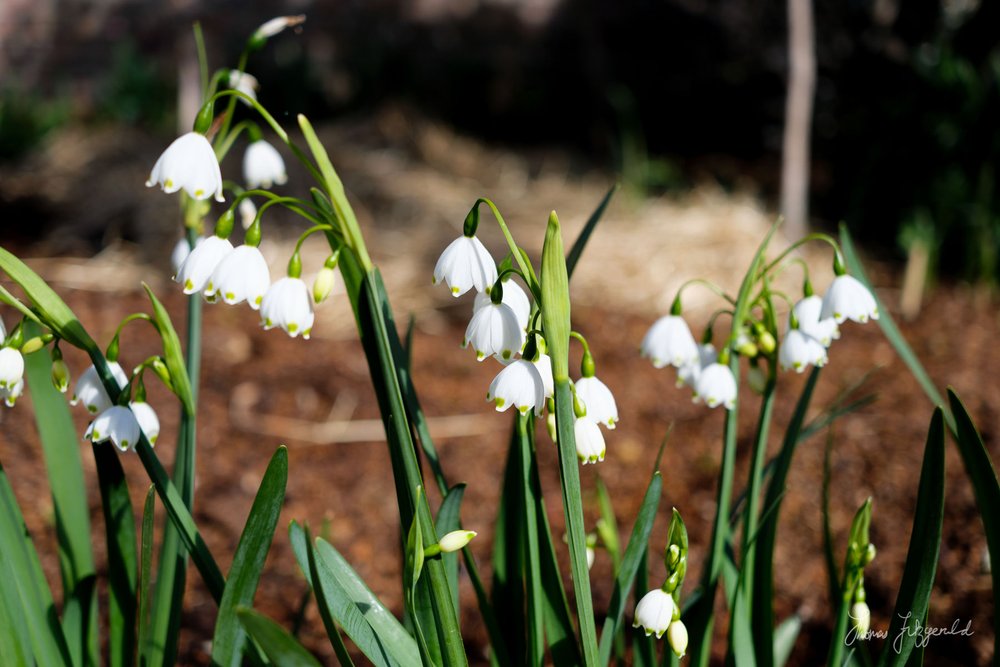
(817, 236)
(536, 635)
(527, 272)
(199, 43)
(752, 515)
(227, 119)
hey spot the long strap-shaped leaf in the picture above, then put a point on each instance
(922, 557)
(248, 561)
(279, 646)
(983, 475)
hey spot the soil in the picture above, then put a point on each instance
(262, 389)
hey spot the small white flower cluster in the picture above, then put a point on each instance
(813, 325)
(498, 329)
(117, 423)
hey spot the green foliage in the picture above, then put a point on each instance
(26, 119)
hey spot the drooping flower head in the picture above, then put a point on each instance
(11, 367)
(464, 264)
(244, 83)
(808, 313)
(654, 612)
(199, 265)
(241, 275)
(12, 393)
(848, 299)
(263, 166)
(518, 384)
(513, 296)
(716, 386)
(494, 330)
(799, 350)
(288, 304)
(598, 400)
(116, 424)
(189, 163)
(590, 445)
(669, 342)
(90, 391)
(689, 372)
(149, 423)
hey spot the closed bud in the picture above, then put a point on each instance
(869, 554)
(550, 423)
(161, 370)
(861, 616)
(677, 637)
(456, 540)
(32, 345)
(766, 341)
(673, 556)
(60, 375)
(323, 284)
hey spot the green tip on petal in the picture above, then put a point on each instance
(258, 300)
(292, 327)
(188, 285)
(455, 291)
(500, 402)
(505, 354)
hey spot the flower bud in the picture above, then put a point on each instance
(275, 26)
(765, 341)
(550, 424)
(60, 375)
(323, 284)
(456, 540)
(32, 345)
(869, 555)
(591, 555)
(677, 637)
(861, 615)
(673, 556)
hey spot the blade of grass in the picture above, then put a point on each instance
(64, 467)
(979, 468)
(581, 240)
(119, 530)
(448, 520)
(530, 490)
(914, 594)
(508, 585)
(145, 574)
(279, 646)
(784, 639)
(248, 561)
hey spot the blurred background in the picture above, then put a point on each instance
(893, 128)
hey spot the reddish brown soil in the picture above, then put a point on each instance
(876, 452)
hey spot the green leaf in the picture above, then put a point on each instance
(532, 505)
(119, 529)
(509, 578)
(248, 561)
(643, 647)
(635, 555)
(982, 474)
(145, 574)
(52, 309)
(448, 520)
(279, 646)
(607, 526)
(172, 353)
(581, 241)
(555, 300)
(25, 591)
(60, 446)
(925, 544)
(784, 639)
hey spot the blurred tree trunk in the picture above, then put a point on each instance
(798, 118)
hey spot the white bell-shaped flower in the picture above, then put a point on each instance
(799, 350)
(11, 367)
(3, 330)
(848, 299)
(598, 400)
(116, 424)
(654, 612)
(242, 275)
(716, 386)
(464, 264)
(669, 341)
(514, 297)
(201, 263)
(494, 330)
(263, 166)
(590, 446)
(244, 83)
(90, 391)
(248, 212)
(288, 304)
(12, 393)
(276, 25)
(519, 384)
(677, 637)
(148, 421)
(807, 312)
(189, 163)
(689, 372)
(544, 365)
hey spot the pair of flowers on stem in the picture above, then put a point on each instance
(502, 327)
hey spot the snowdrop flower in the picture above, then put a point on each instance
(276, 25)
(848, 299)
(669, 341)
(248, 212)
(181, 252)
(12, 393)
(861, 615)
(201, 263)
(716, 386)
(288, 304)
(799, 350)
(456, 540)
(242, 275)
(591, 556)
(807, 311)
(598, 400)
(590, 447)
(244, 83)
(147, 419)
(494, 330)
(189, 163)
(3, 330)
(263, 166)
(689, 372)
(116, 424)
(11, 367)
(464, 264)
(677, 636)
(514, 297)
(654, 612)
(519, 384)
(90, 391)
(544, 365)
(60, 374)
